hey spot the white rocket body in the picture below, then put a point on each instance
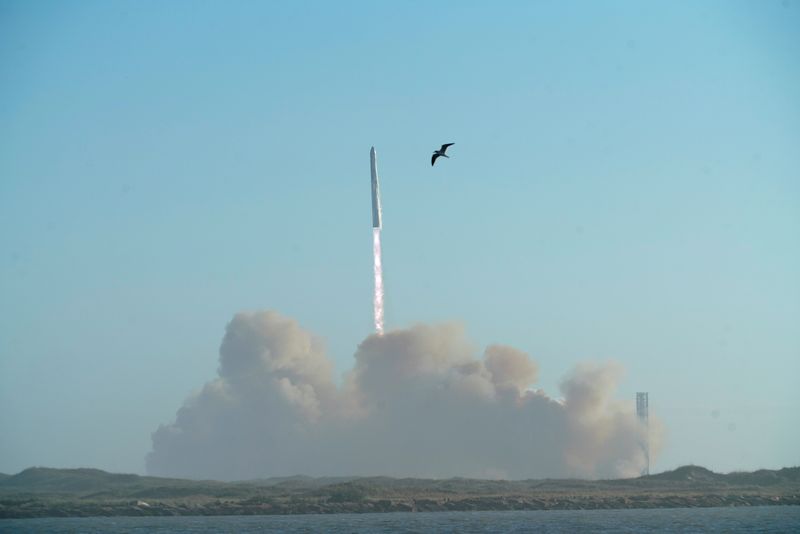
(376, 189)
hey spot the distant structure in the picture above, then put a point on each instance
(642, 412)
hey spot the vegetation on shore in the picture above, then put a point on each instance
(44, 492)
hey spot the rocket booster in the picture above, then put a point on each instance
(376, 190)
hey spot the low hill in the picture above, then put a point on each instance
(689, 473)
(42, 492)
(66, 480)
(85, 482)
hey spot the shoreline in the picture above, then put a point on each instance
(42, 492)
(28, 509)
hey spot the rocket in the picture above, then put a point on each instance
(376, 241)
(376, 190)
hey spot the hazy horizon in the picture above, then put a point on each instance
(354, 477)
(620, 212)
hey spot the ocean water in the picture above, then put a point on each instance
(782, 519)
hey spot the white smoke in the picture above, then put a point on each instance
(417, 403)
(378, 268)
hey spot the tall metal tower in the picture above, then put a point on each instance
(642, 412)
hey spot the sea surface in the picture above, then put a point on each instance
(741, 519)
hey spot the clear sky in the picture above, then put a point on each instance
(625, 185)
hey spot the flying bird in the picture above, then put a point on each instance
(440, 152)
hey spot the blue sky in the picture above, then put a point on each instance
(625, 185)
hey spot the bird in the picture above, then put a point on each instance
(440, 152)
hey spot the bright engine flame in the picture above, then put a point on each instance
(378, 299)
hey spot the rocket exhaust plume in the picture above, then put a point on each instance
(418, 402)
(378, 297)
(376, 242)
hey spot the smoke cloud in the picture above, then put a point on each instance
(418, 402)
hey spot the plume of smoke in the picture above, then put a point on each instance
(418, 402)
(378, 268)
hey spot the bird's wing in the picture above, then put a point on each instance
(444, 147)
(433, 158)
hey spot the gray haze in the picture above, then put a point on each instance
(418, 402)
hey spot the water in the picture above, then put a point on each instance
(742, 519)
